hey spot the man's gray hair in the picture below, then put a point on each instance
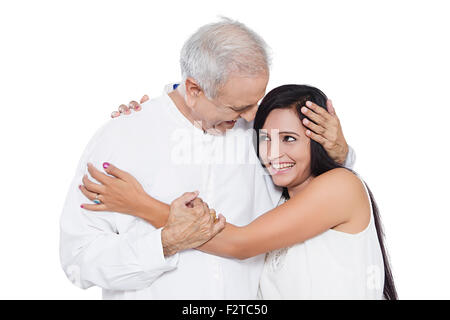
(218, 49)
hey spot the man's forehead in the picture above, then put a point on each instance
(243, 91)
(241, 99)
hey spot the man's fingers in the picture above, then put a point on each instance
(317, 109)
(330, 107)
(114, 171)
(144, 98)
(97, 174)
(206, 211)
(91, 186)
(316, 113)
(94, 207)
(219, 225)
(316, 137)
(313, 116)
(186, 198)
(314, 127)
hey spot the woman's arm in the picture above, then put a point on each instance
(327, 201)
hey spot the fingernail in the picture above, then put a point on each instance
(308, 103)
(82, 206)
(123, 108)
(305, 121)
(115, 114)
(304, 110)
(105, 165)
(308, 132)
(79, 186)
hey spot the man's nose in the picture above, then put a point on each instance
(250, 114)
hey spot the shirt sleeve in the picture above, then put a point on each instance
(94, 252)
(351, 158)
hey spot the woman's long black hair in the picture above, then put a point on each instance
(295, 96)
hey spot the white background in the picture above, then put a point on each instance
(65, 65)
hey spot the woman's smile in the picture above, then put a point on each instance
(280, 167)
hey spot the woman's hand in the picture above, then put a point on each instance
(118, 192)
(326, 130)
(190, 224)
(126, 109)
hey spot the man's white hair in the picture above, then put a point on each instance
(218, 49)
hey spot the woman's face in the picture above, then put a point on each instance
(284, 148)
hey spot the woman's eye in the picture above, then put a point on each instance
(288, 139)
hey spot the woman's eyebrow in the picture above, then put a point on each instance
(289, 132)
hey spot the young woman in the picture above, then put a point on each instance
(325, 238)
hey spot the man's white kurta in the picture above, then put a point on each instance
(123, 254)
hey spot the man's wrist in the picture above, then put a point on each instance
(343, 158)
(168, 244)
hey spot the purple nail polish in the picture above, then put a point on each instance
(105, 165)
(81, 206)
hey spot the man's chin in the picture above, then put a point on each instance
(225, 125)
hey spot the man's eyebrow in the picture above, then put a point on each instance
(242, 107)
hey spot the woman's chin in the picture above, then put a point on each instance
(281, 181)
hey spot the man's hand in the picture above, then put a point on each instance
(191, 223)
(326, 130)
(126, 109)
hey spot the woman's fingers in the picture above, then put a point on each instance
(114, 171)
(94, 207)
(92, 186)
(144, 98)
(124, 109)
(132, 105)
(97, 174)
(115, 114)
(88, 194)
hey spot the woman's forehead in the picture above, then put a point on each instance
(283, 119)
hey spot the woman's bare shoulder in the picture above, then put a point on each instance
(340, 186)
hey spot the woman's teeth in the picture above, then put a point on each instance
(280, 166)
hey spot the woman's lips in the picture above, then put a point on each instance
(280, 168)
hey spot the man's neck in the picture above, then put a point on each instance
(180, 103)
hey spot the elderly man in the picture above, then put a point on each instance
(177, 143)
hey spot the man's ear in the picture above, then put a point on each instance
(193, 92)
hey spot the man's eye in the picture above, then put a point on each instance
(289, 139)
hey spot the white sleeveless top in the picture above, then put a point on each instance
(332, 265)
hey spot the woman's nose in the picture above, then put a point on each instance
(273, 150)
